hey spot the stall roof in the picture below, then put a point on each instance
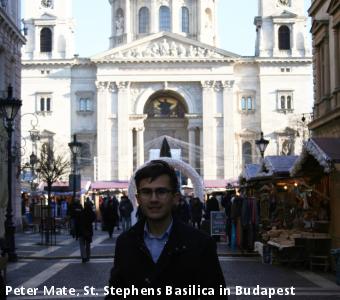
(109, 185)
(326, 151)
(273, 165)
(280, 165)
(250, 171)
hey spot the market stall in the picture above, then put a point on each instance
(318, 167)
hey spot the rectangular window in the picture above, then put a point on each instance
(243, 103)
(247, 103)
(285, 101)
(85, 104)
(44, 102)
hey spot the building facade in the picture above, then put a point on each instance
(11, 41)
(326, 124)
(164, 75)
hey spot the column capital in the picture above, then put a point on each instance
(228, 84)
(207, 84)
(112, 87)
(101, 85)
(122, 85)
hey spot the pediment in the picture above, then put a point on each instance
(46, 16)
(165, 46)
(286, 15)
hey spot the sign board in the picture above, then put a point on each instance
(217, 223)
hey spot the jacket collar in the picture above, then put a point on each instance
(176, 242)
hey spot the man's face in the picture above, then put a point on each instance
(157, 198)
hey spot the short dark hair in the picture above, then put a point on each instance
(154, 169)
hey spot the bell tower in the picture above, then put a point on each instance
(281, 29)
(50, 29)
(194, 19)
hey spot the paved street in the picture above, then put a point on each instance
(60, 266)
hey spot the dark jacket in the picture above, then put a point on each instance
(87, 217)
(125, 207)
(188, 258)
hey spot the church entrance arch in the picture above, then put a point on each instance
(165, 112)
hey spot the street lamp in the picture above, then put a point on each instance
(9, 108)
(75, 148)
(262, 144)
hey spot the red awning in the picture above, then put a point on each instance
(109, 185)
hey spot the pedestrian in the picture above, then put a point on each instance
(125, 210)
(75, 209)
(211, 205)
(87, 217)
(110, 216)
(115, 211)
(182, 211)
(160, 251)
(196, 212)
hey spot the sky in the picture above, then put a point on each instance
(235, 25)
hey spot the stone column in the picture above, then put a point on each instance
(140, 145)
(192, 156)
(125, 159)
(103, 131)
(194, 122)
(209, 130)
(276, 40)
(154, 18)
(176, 16)
(128, 22)
(228, 129)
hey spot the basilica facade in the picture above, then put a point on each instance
(164, 75)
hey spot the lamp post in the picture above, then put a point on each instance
(9, 108)
(262, 145)
(75, 148)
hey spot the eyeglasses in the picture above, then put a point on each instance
(161, 193)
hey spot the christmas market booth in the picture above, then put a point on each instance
(289, 232)
(319, 168)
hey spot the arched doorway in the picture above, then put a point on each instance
(165, 112)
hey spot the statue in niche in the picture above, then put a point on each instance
(119, 24)
(287, 147)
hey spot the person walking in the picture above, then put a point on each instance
(196, 212)
(87, 217)
(110, 215)
(160, 251)
(182, 211)
(125, 210)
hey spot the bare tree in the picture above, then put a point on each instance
(51, 167)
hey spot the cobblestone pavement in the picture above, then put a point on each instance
(54, 267)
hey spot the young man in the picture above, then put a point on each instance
(159, 253)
